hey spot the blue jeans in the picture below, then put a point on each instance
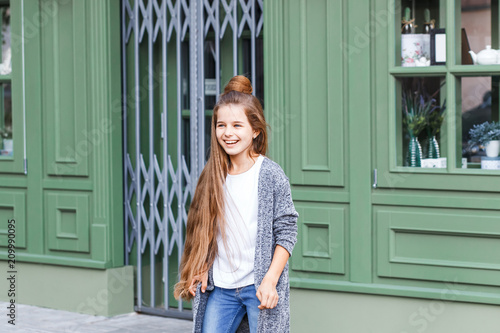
(227, 307)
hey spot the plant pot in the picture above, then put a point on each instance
(433, 148)
(414, 156)
(492, 148)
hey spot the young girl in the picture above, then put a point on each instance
(241, 228)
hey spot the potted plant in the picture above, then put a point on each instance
(487, 135)
(420, 111)
(6, 134)
(435, 117)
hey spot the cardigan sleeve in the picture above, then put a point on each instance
(284, 215)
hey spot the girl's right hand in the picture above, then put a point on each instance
(203, 278)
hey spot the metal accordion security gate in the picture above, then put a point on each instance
(176, 56)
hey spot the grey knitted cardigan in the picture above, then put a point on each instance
(277, 224)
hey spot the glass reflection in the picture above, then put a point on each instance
(6, 120)
(480, 105)
(6, 65)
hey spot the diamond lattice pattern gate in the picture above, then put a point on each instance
(176, 56)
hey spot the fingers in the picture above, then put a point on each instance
(267, 301)
(204, 281)
(275, 302)
(192, 287)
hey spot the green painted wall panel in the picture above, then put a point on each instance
(321, 240)
(13, 206)
(64, 64)
(68, 221)
(316, 92)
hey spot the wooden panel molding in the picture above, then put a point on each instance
(68, 221)
(64, 55)
(13, 206)
(316, 92)
(321, 238)
(438, 244)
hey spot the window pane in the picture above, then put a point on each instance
(6, 119)
(418, 19)
(6, 65)
(480, 109)
(476, 33)
(420, 113)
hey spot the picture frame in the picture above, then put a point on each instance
(438, 47)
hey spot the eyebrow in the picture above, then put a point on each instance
(234, 122)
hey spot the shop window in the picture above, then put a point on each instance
(445, 73)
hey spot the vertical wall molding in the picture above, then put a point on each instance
(275, 82)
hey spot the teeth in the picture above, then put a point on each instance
(229, 142)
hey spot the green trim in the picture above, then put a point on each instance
(276, 79)
(319, 194)
(16, 181)
(359, 156)
(393, 290)
(437, 199)
(34, 133)
(68, 184)
(418, 71)
(474, 70)
(107, 98)
(58, 260)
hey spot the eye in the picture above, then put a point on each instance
(238, 125)
(220, 125)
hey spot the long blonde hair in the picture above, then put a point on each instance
(206, 214)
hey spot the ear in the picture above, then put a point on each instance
(255, 135)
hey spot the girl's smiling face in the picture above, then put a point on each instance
(234, 132)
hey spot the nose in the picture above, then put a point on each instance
(228, 131)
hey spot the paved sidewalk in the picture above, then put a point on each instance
(33, 319)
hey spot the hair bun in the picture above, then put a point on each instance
(239, 83)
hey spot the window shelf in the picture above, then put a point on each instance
(418, 71)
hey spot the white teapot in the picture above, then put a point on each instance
(487, 56)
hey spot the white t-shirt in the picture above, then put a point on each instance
(233, 266)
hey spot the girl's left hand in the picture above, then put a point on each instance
(267, 294)
(203, 278)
